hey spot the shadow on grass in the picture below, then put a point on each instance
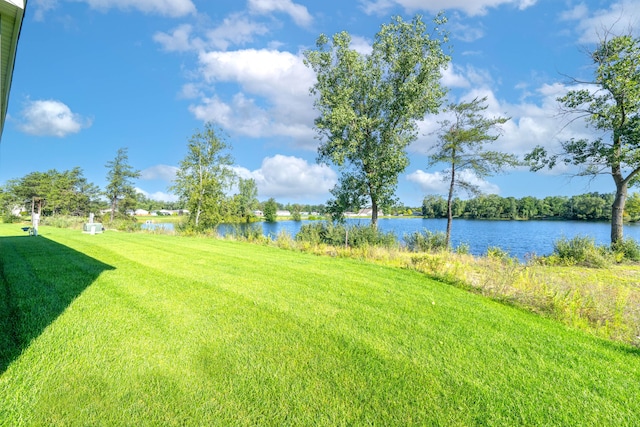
(39, 279)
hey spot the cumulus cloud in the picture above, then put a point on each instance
(50, 118)
(298, 13)
(473, 7)
(158, 195)
(438, 182)
(171, 8)
(290, 177)
(361, 45)
(236, 29)
(534, 120)
(452, 77)
(178, 40)
(162, 172)
(592, 26)
(274, 100)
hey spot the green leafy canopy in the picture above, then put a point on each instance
(368, 104)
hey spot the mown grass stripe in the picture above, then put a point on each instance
(182, 331)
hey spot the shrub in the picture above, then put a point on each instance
(9, 218)
(284, 240)
(356, 236)
(581, 250)
(627, 249)
(497, 253)
(121, 224)
(463, 249)
(360, 236)
(251, 232)
(426, 241)
(63, 221)
(310, 233)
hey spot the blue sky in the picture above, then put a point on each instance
(92, 76)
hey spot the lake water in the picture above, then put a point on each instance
(152, 226)
(519, 238)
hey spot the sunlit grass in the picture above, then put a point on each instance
(199, 331)
(602, 301)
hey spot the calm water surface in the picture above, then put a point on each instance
(519, 238)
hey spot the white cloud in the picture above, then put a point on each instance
(42, 7)
(535, 120)
(158, 195)
(466, 33)
(274, 100)
(235, 30)
(361, 45)
(171, 8)
(179, 40)
(438, 182)
(50, 118)
(470, 7)
(453, 77)
(163, 172)
(619, 18)
(190, 91)
(290, 177)
(298, 13)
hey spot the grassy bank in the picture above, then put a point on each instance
(603, 301)
(142, 329)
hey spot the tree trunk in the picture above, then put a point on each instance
(374, 213)
(113, 208)
(198, 210)
(450, 206)
(617, 211)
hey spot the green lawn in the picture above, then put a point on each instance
(143, 329)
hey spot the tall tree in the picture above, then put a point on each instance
(369, 105)
(34, 185)
(462, 147)
(610, 106)
(67, 192)
(204, 176)
(120, 178)
(270, 210)
(247, 198)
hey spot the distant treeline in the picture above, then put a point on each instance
(590, 206)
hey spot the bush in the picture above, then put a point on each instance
(581, 250)
(284, 240)
(63, 221)
(426, 241)
(123, 224)
(364, 235)
(310, 233)
(463, 249)
(499, 254)
(9, 218)
(627, 249)
(252, 233)
(356, 236)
